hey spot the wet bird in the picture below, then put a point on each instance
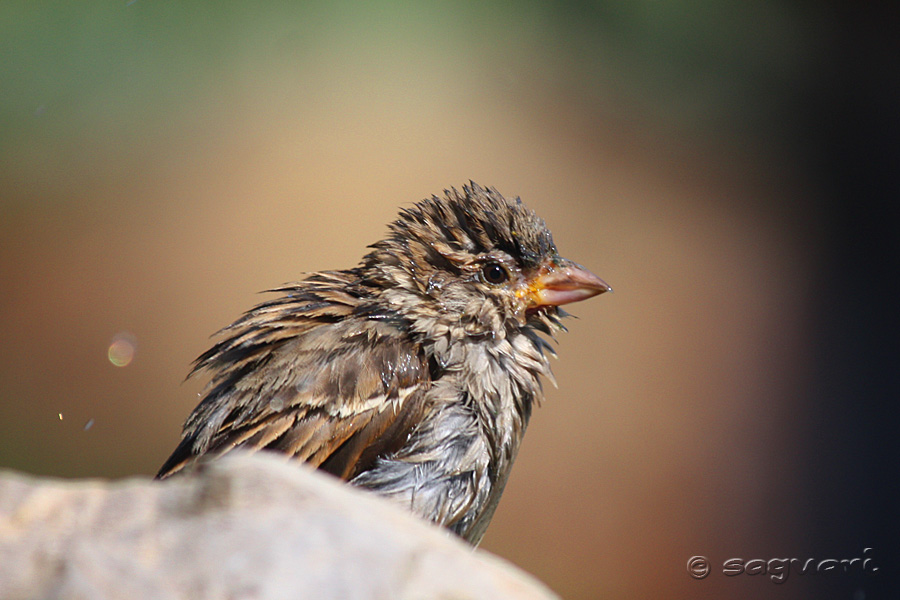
(413, 374)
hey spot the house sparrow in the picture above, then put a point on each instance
(413, 374)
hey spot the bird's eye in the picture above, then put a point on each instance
(494, 273)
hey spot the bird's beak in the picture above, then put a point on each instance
(562, 281)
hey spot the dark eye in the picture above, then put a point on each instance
(494, 273)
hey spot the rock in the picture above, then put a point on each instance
(249, 527)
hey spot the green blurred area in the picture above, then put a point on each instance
(125, 70)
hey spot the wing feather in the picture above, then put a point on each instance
(309, 375)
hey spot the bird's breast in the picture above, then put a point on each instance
(455, 464)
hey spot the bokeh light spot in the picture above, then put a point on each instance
(122, 349)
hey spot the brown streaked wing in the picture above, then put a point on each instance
(299, 376)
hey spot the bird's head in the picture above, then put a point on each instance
(476, 261)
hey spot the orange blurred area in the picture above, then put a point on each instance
(163, 164)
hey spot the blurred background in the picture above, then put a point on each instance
(729, 167)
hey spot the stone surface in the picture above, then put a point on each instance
(244, 527)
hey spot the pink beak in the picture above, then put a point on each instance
(564, 281)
